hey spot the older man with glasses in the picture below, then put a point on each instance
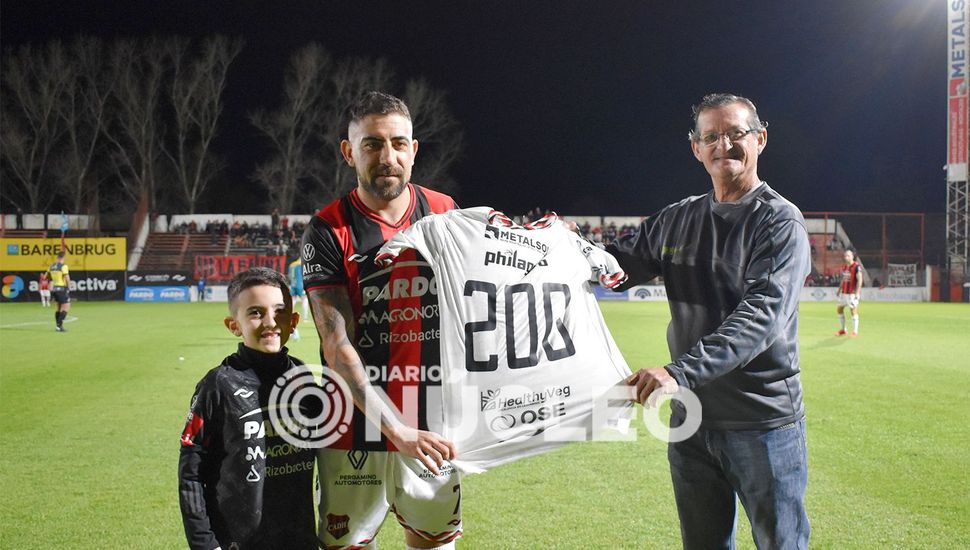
(733, 261)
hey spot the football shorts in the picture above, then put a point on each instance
(358, 488)
(848, 300)
(45, 293)
(61, 295)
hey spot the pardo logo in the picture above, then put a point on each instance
(140, 294)
(172, 294)
(400, 288)
(12, 286)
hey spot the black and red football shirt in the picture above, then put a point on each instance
(396, 309)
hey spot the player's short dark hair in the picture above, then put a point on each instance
(376, 103)
(713, 101)
(257, 276)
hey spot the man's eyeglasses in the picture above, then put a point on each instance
(733, 136)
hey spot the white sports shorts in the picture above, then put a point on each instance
(848, 300)
(358, 488)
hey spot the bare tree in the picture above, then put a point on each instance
(33, 83)
(291, 128)
(438, 132)
(346, 82)
(195, 92)
(84, 112)
(134, 129)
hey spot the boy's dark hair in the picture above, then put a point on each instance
(256, 276)
(712, 101)
(376, 103)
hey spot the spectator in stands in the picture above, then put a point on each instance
(733, 298)
(275, 220)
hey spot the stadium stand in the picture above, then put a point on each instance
(177, 251)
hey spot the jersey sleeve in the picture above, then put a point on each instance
(322, 256)
(639, 253)
(419, 236)
(603, 266)
(200, 433)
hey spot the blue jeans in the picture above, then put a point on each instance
(767, 469)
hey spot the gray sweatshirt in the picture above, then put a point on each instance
(733, 274)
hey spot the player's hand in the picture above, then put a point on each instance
(647, 381)
(428, 447)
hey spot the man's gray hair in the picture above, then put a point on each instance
(713, 101)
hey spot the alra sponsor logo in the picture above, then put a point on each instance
(414, 287)
(511, 259)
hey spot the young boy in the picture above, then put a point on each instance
(240, 484)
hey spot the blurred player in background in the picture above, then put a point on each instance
(369, 315)
(295, 273)
(45, 290)
(60, 279)
(849, 291)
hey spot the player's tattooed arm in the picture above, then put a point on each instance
(333, 317)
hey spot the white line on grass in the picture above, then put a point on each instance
(31, 323)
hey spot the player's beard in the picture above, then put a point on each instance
(388, 191)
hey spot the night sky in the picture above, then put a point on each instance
(583, 107)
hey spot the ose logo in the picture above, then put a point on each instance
(12, 286)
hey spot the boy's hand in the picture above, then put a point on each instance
(428, 447)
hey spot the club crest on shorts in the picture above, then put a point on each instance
(338, 526)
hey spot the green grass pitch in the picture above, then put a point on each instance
(90, 423)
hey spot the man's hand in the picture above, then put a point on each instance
(647, 381)
(428, 447)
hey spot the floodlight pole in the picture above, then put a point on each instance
(957, 138)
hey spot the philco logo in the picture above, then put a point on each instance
(511, 259)
(338, 526)
(12, 286)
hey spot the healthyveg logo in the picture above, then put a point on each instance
(12, 285)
